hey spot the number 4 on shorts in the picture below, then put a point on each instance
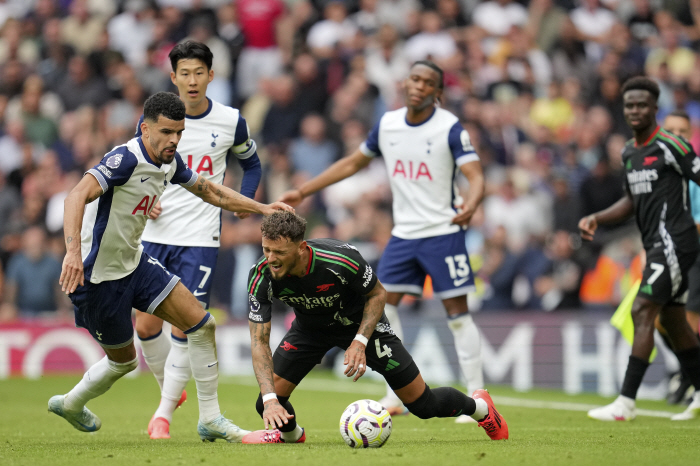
(381, 353)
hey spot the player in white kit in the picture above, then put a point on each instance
(107, 273)
(423, 146)
(183, 234)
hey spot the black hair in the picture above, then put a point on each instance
(190, 50)
(164, 103)
(435, 68)
(679, 113)
(642, 83)
(283, 224)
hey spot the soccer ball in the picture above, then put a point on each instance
(365, 424)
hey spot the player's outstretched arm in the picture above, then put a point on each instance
(618, 212)
(343, 168)
(355, 357)
(84, 193)
(228, 199)
(274, 413)
(475, 176)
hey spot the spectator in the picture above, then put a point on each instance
(81, 29)
(282, 120)
(335, 31)
(312, 152)
(81, 87)
(433, 43)
(31, 285)
(132, 31)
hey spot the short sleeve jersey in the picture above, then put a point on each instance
(187, 220)
(422, 162)
(113, 224)
(657, 179)
(330, 296)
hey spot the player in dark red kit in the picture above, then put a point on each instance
(658, 166)
(337, 301)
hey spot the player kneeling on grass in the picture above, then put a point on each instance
(338, 301)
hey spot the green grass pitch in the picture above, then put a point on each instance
(539, 434)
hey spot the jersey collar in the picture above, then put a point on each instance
(651, 137)
(201, 115)
(422, 122)
(312, 260)
(145, 152)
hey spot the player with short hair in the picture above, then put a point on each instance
(338, 301)
(106, 272)
(678, 123)
(658, 166)
(423, 147)
(183, 233)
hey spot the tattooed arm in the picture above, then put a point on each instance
(355, 358)
(84, 193)
(228, 199)
(274, 414)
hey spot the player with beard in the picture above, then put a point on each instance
(424, 147)
(338, 302)
(658, 166)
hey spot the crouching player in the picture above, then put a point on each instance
(338, 301)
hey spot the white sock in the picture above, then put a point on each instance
(482, 409)
(96, 381)
(392, 313)
(205, 367)
(155, 352)
(468, 344)
(177, 374)
(294, 435)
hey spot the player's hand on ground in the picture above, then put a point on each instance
(463, 217)
(587, 226)
(275, 206)
(71, 272)
(155, 211)
(274, 414)
(355, 360)
(292, 197)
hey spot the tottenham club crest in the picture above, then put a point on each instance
(114, 161)
(213, 143)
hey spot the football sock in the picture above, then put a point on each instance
(690, 364)
(392, 313)
(441, 402)
(202, 352)
(294, 435)
(636, 367)
(291, 426)
(481, 411)
(155, 351)
(177, 374)
(468, 345)
(96, 381)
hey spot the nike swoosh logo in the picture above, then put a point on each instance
(460, 281)
(89, 428)
(212, 364)
(197, 293)
(144, 179)
(179, 367)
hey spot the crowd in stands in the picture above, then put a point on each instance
(536, 83)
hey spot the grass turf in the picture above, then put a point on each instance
(31, 436)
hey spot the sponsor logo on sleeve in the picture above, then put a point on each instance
(254, 303)
(104, 171)
(114, 161)
(254, 317)
(367, 276)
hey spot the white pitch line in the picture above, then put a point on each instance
(341, 386)
(566, 406)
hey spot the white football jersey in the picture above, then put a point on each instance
(187, 220)
(113, 224)
(422, 163)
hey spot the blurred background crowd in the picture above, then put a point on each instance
(536, 83)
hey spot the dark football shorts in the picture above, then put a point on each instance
(104, 309)
(665, 278)
(302, 348)
(693, 303)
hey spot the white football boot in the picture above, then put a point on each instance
(220, 428)
(84, 420)
(691, 412)
(622, 409)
